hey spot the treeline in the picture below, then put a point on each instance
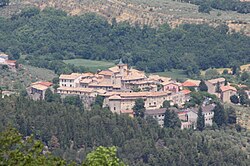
(52, 35)
(233, 5)
(72, 133)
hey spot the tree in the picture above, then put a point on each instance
(73, 100)
(211, 73)
(204, 8)
(14, 150)
(231, 113)
(200, 120)
(243, 97)
(202, 86)
(217, 88)
(48, 95)
(234, 99)
(103, 156)
(171, 120)
(219, 115)
(226, 82)
(139, 108)
(235, 69)
(244, 76)
(166, 104)
(99, 100)
(225, 72)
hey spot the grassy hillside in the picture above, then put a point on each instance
(23, 77)
(174, 74)
(92, 65)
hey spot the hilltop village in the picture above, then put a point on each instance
(120, 86)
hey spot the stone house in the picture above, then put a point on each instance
(212, 84)
(227, 92)
(37, 90)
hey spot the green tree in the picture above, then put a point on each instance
(231, 113)
(166, 104)
(226, 82)
(73, 100)
(99, 100)
(202, 86)
(244, 76)
(219, 115)
(200, 120)
(171, 120)
(235, 69)
(211, 73)
(234, 99)
(103, 156)
(204, 8)
(14, 150)
(243, 97)
(217, 88)
(225, 72)
(48, 95)
(139, 108)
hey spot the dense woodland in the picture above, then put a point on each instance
(49, 36)
(233, 5)
(71, 133)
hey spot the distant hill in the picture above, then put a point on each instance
(149, 12)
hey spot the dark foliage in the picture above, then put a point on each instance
(50, 36)
(140, 142)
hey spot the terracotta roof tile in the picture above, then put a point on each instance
(226, 88)
(186, 91)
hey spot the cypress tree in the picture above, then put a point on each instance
(219, 115)
(171, 119)
(200, 120)
(217, 90)
(202, 86)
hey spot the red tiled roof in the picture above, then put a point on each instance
(106, 72)
(226, 88)
(186, 91)
(48, 84)
(10, 61)
(189, 84)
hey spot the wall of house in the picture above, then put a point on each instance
(171, 87)
(178, 98)
(208, 118)
(67, 82)
(115, 106)
(159, 118)
(212, 87)
(225, 96)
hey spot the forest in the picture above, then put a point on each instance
(71, 132)
(47, 37)
(233, 5)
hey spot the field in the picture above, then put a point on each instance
(174, 74)
(92, 65)
(220, 70)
